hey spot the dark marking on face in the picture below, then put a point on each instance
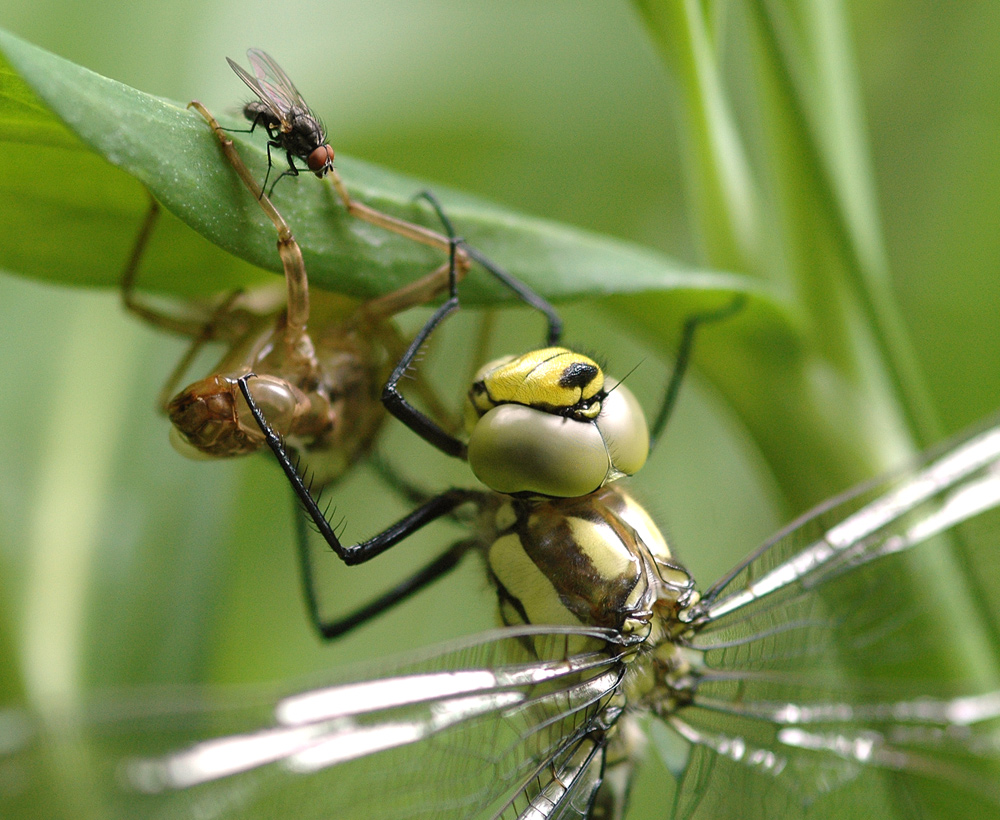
(578, 375)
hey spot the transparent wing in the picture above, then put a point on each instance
(488, 727)
(272, 85)
(820, 691)
(276, 107)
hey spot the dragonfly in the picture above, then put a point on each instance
(778, 686)
(775, 691)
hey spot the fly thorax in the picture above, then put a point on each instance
(548, 423)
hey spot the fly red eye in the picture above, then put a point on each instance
(320, 160)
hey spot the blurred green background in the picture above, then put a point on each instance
(124, 564)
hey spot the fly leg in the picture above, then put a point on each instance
(296, 280)
(292, 170)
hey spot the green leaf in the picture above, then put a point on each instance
(171, 151)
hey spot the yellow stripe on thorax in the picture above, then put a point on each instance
(608, 555)
(519, 575)
(635, 515)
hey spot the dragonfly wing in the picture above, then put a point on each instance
(572, 783)
(479, 729)
(715, 787)
(816, 686)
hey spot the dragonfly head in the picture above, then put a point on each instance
(549, 423)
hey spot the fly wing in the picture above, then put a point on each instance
(275, 83)
(275, 105)
(818, 689)
(476, 729)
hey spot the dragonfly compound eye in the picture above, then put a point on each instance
(543, 424)
(623, 427)
(518, 449)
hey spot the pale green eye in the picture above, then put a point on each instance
(623, 427)
(518, 449)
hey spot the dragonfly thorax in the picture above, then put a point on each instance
(593, 561)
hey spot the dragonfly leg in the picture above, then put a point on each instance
(363, 551)
(684, 349)
(342, 624)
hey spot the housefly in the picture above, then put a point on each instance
(290, 123)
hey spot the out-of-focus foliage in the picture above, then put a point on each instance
(123, 564)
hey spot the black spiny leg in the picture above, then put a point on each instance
(393, 399)
(524, 293)
(341, 625)
(433, 509)
(363, 551)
